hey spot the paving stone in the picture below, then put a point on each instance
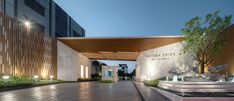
(86, 91)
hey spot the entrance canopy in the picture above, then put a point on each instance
(126, 48)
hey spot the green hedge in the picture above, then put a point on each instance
(16, 81)
(153, 83)
(105, 81)
(85, 79)
(24, 81)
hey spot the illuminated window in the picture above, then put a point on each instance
(33, 4)
(86, 74)
(82, 71)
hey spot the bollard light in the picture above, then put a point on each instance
(35, 76)
(5, 77)
(220, 80)
(51, 76)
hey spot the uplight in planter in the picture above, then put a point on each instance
(51, 76)
(5, 77)
(35, 76)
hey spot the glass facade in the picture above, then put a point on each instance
(52, 19)
(75, 34)
(61, 22)
(35, 6)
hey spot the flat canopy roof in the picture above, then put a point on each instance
(125, 48)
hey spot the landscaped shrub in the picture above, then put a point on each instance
(23, 81)
(85, 79)
(95, 77)
(16, 81)
(105, 81)
(153, 83)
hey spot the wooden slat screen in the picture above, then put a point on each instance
(25, 52)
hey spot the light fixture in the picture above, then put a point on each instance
(27, 24)
(5, 77)
(51, 76)
(35, 76)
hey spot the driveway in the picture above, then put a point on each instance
(86, 91)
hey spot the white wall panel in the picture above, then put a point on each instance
(70, 63)
(155, 63)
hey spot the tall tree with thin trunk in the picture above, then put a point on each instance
(202, 37)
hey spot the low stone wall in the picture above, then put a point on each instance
(197, 86)
(155, 63)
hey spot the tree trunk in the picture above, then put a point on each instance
(202, 67)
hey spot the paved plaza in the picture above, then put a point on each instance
(86, 91)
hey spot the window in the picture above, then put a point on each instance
(61, 22)
(83, 32)
(75, 34)
(82, 71)
(110, 73)
(35, 6)
(87, 72)
(39, 27)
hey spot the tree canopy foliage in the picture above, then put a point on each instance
(202, 37)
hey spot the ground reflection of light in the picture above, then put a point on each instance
(8, 97)
(110, 89)
(52, 87)
(53, 91)
(110, 86)
(37, 93)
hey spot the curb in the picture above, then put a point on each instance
(143, 97)
(175, 97)
(171, 96)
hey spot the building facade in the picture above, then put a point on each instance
(32, 52)
(25, 52)
(45, 16)
(110, 73)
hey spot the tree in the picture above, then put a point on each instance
(97, 66)
(202, 39)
